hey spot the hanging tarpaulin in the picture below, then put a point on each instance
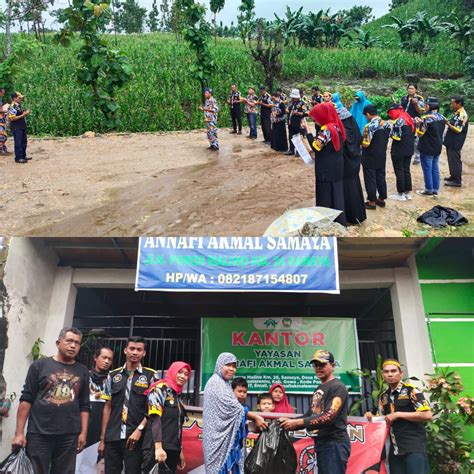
(290, 264)
(279, 349)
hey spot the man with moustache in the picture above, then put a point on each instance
(406, 411)
(55, 402)
(326, 420)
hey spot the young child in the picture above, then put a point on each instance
(265, 403)
(240, 388)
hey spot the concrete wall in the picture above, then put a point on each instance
(32, 285)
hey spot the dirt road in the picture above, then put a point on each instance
(123, 185)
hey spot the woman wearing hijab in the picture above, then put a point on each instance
(357, 110)
(279, 140)
(280, 399)
(166, 417)
(224, 419)
(354, 204)
(329, 160)
(403, 146)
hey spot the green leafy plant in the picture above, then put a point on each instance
(35, 352)
(448, 448)
(197, 33)
(246, 19)
(23, 49)
(102, 69)
(266, 52)
(376, 382)
(461, 29)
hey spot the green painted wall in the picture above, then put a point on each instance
(452, 341)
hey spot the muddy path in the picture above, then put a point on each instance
(135, 184)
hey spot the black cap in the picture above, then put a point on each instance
(433, 102)
(370, 109)
(262, 88)
(323, 357)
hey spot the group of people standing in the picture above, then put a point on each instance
(134, 415)
(225, 415)
(14, 116)
(346, 140)
(138, 416)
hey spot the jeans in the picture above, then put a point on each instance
(430, 167)
(52, 454)
(410, 463)
(332, 456)
(252, 118)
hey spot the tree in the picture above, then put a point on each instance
(129, 16)
(290, 27)
(197, 32)
(357, 16)
(103, 70)
(311, 33)
(267, 50)
(216, 6)
(152, 22)
(245, 20)
(23, 48)
(461, 29)
(24, 10)
(397, 3)
(176, 19)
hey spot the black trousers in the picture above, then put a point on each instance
(20, 139)
(118, 456)
(401, 166)
(52, 454)
(293, 130)
(266, 123)
(455, 164)
(375, 183)
(236, 115)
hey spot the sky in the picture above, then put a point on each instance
(266, 8)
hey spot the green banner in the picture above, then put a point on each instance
(273, 350)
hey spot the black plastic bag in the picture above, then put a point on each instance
(285, 461)
(17, 463)
(440, 216)
(273, 453)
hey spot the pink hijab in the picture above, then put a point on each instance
(170, 378)
(282, 406)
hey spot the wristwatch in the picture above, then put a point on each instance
(141, 427)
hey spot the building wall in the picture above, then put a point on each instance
(447, 287)
(29, 277)
(41, 299)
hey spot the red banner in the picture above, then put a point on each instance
(367, 443)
